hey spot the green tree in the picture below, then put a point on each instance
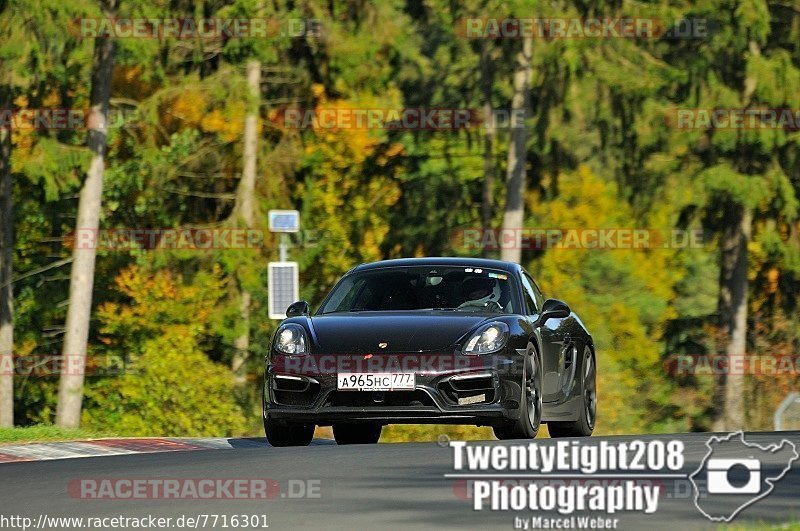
(70, 394)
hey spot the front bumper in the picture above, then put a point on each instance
(484, 392)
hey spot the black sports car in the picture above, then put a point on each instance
(430, 340)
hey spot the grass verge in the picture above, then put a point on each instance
(41, 433)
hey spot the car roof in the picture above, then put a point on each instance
(440, 261)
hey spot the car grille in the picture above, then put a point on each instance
(378, 399)
(294, 392)
(481, 389)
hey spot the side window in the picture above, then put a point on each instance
(364, 298)
(341, 297)
(537, 293)
(528, 295)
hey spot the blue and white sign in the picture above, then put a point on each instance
(284, 221)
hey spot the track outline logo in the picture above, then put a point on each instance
(771, 481)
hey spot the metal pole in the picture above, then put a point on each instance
(788, 401)
(283, 248)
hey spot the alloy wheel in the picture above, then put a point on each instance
(533, 391)
(590, 388)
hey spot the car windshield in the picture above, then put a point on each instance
(462, 289)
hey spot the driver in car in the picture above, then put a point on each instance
(481, 292)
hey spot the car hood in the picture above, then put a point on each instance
(401, 331)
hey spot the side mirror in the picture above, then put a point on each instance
(298, 308)
(553, 309)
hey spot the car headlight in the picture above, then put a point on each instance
(490, 338)
(291, 339)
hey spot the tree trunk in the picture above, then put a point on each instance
(6, 270)
(733, 287)
(245, 207)
(245, 194)
(242, 342)
(487, 80)
(70, 390)
(733, 291)
(515, 177)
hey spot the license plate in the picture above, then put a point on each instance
(385, 381)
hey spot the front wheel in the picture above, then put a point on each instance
(288, 434)
(530, 408)
(584, 426)
(352, 433)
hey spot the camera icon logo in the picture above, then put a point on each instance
(719, 476)
(735, 474)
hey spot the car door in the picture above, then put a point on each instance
(555, 344)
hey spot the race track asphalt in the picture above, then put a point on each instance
(384, 486)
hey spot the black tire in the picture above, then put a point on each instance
(357, 433)
(281, 433)
(530, 407)
(584, 426)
